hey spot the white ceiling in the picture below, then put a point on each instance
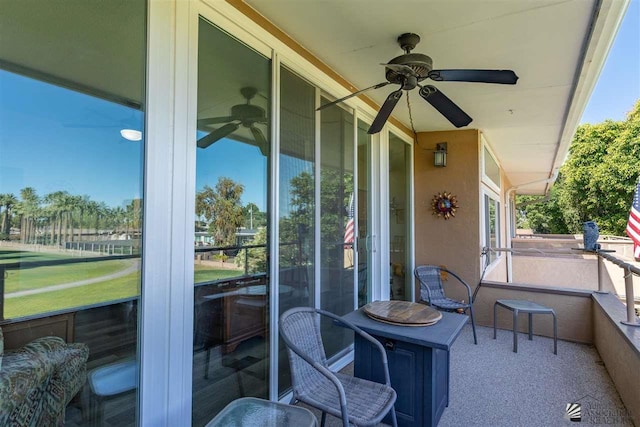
(543, 41)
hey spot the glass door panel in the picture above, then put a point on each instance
(399, 168)
(72, 145)
(364, 237)
(231, 331)
(297, 202)
(336, 221)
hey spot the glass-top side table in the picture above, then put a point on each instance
(254, 412)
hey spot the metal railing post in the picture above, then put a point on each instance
(246, 261)
(629, 270)
(3, 271)
(600, 285)
(628, 290)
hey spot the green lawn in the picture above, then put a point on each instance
(122, 287)
(108, 290)
(206, 274)
(33, 278)
(14, 255)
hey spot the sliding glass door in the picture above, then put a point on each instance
(72, 144)
(399, 218)
(297, 203)
(231, 252)
(337, 211)
(365, 231)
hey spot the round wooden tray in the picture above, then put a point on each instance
(402, 313)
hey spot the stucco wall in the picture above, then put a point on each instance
(455, 242)
(566, 272)
(620, 356)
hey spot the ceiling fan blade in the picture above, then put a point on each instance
(217, 134)
(445, 106)
(261, 141)
(505, 77)
(213, 120)
(377, 86)
(385, 111)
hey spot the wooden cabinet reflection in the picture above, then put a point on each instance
(232, 313)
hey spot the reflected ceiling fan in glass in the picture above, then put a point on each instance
(409, 69)
(246, 115)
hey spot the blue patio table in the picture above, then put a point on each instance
(531, 308)
(418, 358)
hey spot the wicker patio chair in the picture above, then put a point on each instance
(354, 400)
(432, 293)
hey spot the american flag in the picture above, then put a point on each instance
(633, 225)
(349, 229)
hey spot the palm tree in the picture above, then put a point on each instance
(91, 210)
(68, 205)
(119, 217)
(81, 206)
(7, 200)
(28, 206)
(56, 210)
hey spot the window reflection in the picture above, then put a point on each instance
(336, 213)
(399, 167)
(231, 224)
(296, 202)
(70, 245)
(364, 185)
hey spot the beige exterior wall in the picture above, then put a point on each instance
(455, 242)
(619, 356)
(574, 312)
(564, 272)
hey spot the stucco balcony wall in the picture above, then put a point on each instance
(576, 272)
(619, 348)
(573, 309)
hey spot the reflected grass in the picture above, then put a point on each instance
(34, 278)
(204, 273)
(12, 255)
(127, 286)
(122, 287)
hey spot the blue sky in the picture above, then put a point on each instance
(44, 132)
(618, 87)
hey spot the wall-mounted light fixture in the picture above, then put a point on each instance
(440, 155)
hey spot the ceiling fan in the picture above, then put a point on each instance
(247, 115)
(409, 69)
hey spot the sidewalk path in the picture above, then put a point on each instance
(135, 266)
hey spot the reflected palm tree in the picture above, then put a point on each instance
(28, 207)
(8, 201)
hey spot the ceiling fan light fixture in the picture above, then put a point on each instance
(131, 134)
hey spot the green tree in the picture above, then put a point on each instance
(595, 183)
(254, 259)
(253, 217)
(222, 209)
(297, 226)
(7, 201)
(28, 207)
(542, 215)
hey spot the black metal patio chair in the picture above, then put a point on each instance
(354, 400)
(431, 292)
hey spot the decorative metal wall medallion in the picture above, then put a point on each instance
(444, 204)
